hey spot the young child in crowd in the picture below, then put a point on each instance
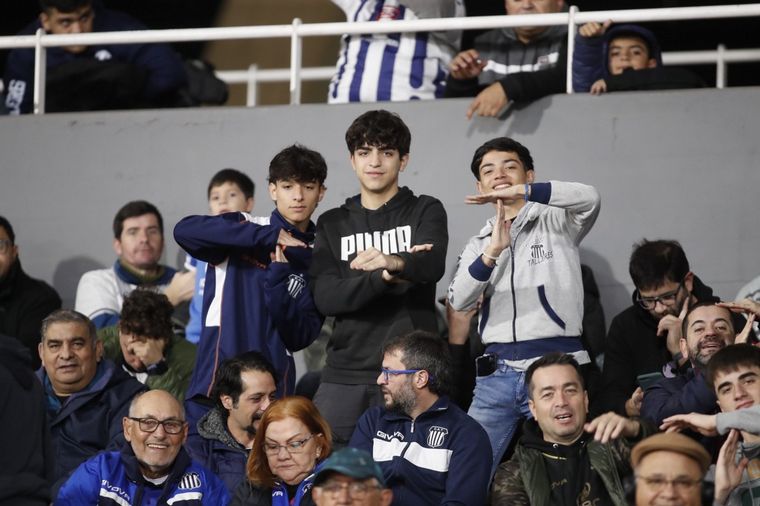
(229, 191)
(623, 58)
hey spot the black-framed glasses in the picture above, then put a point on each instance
(387, 373)
(666, 299)
(171, 425)
(291, 447)
(658, 483)
(356, 489)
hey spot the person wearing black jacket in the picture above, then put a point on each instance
(641, 340)
(376, 261)
(24, 301)
(511, 64)
(25, 463)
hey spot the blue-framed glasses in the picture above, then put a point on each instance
(387, 373)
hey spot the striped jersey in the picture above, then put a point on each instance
(395, 67)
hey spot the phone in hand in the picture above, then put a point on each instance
(647, 380)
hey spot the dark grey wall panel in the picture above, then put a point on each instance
(672, 164)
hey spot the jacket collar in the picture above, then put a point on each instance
(163, 277)
(103, 374)
(278, 220)
(176, 472)
(213, 425)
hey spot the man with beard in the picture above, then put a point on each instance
(645, 337)
(243, 390)
(707, 328)
(430, 451)
(152, 469)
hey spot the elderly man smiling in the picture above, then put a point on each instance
(152, 469)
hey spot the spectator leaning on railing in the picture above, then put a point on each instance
(397, 66)
(623, 58)
(512, 64)
(100, 76)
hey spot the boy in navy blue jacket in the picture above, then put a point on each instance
(256, 295)
(623, 58)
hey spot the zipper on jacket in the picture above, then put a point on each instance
(512, 283)
(514, 301)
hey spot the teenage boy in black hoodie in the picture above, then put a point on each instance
(376, 261)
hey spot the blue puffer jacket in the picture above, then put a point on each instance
(89, 421)
(590, 56)
(114, 478)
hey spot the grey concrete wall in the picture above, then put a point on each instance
(678, 165)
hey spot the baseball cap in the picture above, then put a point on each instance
(352, 462)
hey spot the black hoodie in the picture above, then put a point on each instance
(568, 467)
(368, 310)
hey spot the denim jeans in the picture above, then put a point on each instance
(500, 403)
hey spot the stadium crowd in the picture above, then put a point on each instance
(120, 400)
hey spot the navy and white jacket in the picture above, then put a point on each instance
(440, 458)
(114, 478)
(250, 302)
(533, 296)
(165, 72)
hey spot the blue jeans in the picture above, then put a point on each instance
(500, 403)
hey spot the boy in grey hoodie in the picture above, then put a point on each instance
(524, 264)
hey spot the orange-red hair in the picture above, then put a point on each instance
(300, 408)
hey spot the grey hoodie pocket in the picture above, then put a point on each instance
(548, 308)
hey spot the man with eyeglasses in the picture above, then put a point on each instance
(350, 476)
(24, 301)
(669, 469)
(645, 337)
(153, 469)
(430, 451)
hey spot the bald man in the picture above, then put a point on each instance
(153, 467)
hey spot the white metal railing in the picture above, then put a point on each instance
(253, 76)
(296, 31)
